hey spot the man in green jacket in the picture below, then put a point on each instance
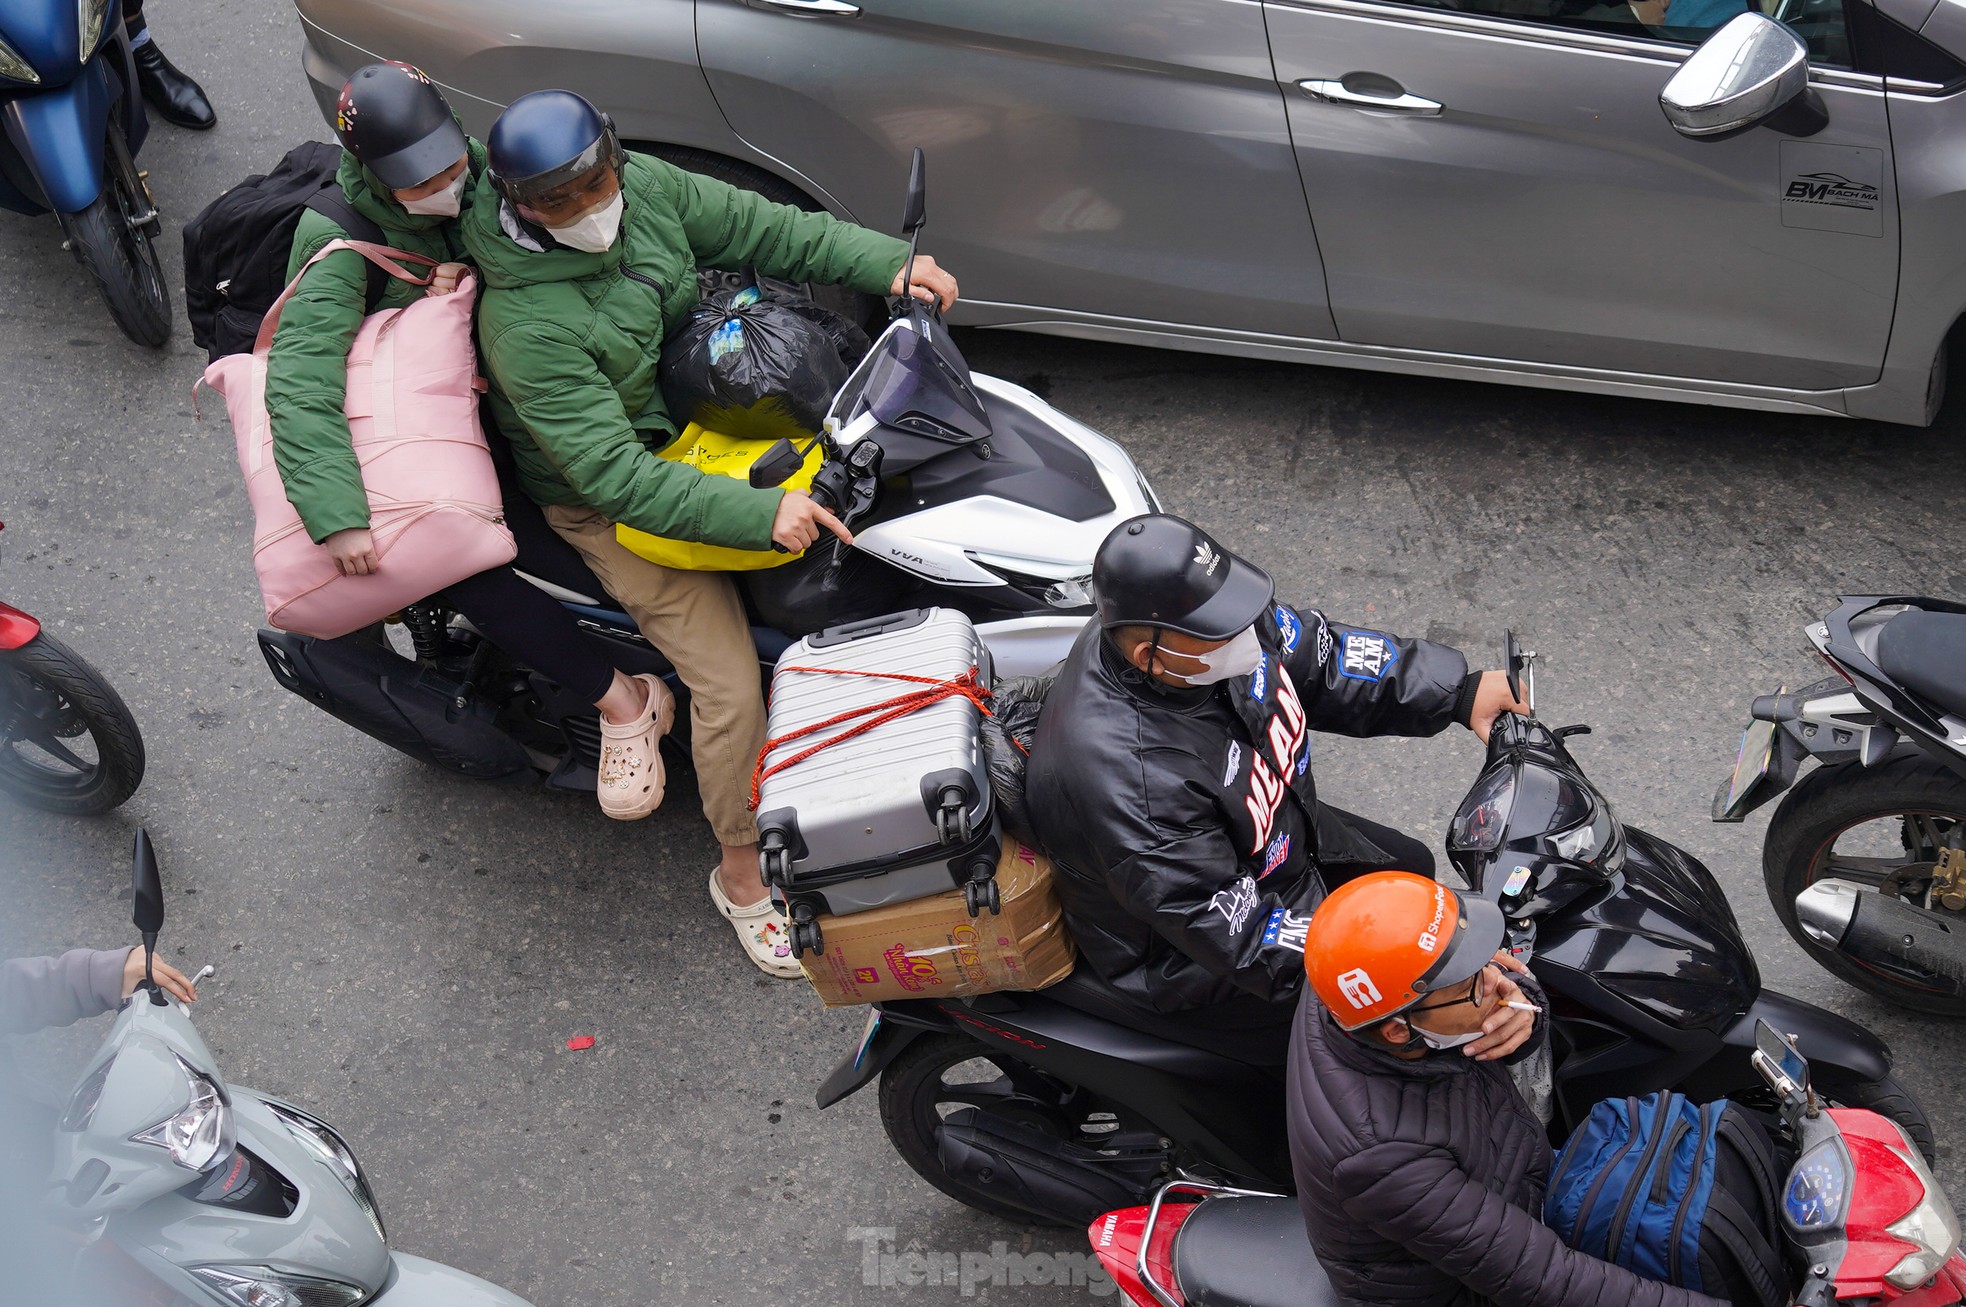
(408, 168)
(589, 259)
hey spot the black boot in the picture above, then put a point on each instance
(175, 97)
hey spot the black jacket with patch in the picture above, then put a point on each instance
(1181, 821)
(1422, 1182)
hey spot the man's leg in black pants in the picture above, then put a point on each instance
(1403, 852)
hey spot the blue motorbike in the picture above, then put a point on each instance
(73, 121)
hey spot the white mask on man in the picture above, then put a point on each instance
(1441, 1043)
(1242, 655)
(447, 203)
(596, 231)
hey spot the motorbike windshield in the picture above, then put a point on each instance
(916, 380)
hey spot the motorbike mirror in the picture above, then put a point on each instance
(1779, 1062)
(914, 213)
(149, 886)
(1520, 666)
(776, 465)
(148, 916)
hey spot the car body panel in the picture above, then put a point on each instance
(1550, 212)
(1075, 147)
(1137, 148)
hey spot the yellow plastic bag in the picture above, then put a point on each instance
(717, 455)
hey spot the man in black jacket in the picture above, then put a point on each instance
(1420, 1168)
(1170, 777)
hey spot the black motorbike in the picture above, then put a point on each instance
(1865, 859)
(1057, 1105)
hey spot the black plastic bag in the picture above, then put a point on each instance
(758, 361)
(1007, 734)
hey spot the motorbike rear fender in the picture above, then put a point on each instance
(16, 628)
(1840, 1051)
(1226, 1114)
(60, 134)
(901, 1024)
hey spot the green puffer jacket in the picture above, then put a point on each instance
(307, 371)
(572, 340)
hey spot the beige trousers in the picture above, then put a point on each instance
(697, 620)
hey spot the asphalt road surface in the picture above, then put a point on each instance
(407, 954)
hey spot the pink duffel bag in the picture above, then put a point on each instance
(412, 406)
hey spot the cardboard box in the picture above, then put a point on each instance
(932, 947)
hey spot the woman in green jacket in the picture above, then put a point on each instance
(409, 168)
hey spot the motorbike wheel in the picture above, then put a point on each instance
(937, 1075)
(110, 239)
(1843, 822)
(55, 712)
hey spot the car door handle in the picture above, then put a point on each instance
(830, 8)
(1333, 92)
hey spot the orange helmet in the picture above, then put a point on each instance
(1382, 942)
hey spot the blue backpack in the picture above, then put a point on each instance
(1675, 1191)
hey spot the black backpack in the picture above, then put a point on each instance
(236, 250)
(1675, 1191)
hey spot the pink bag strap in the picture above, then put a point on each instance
(382, 256)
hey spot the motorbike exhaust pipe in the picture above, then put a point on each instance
(1883, 931)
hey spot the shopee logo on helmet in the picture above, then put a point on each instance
(1358, 989)
(1431, 935)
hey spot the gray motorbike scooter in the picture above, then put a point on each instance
(171, 1179)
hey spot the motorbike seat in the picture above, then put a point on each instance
(542, 551)
(1926, 653)
(1254, 1033)
(1249, 1252)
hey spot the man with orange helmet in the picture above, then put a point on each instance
(1420, 1168)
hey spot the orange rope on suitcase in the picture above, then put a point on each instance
(966, 686)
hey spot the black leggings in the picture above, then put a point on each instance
(530, 624)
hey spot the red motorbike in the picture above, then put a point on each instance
(1862, 1214)
(67, 740)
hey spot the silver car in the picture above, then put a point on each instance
(1681, 199)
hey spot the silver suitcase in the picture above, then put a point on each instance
(900, 811)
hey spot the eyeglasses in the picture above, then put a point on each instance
(1476, 996)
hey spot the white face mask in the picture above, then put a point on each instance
(1239, 657)
(1441, 1043)
(594, 232)
(447, 203)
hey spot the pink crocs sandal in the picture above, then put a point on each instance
(761, 928)
(629, 784)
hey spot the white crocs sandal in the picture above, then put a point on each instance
(629, 781)
(762, 929)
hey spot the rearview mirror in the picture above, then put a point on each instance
(915, 212)
(149, 886)
(1751, 70)
(776, 465)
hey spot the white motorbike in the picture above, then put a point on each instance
(170, 1185)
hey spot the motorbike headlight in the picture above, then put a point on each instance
(1932, 1228)
(327, 1146)
(202, 1133)
(14, 68)
(89, 16)
(1818, 1185)
(1073, 592)
(1591, 842)
(1484, 816)
(262, 1286)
